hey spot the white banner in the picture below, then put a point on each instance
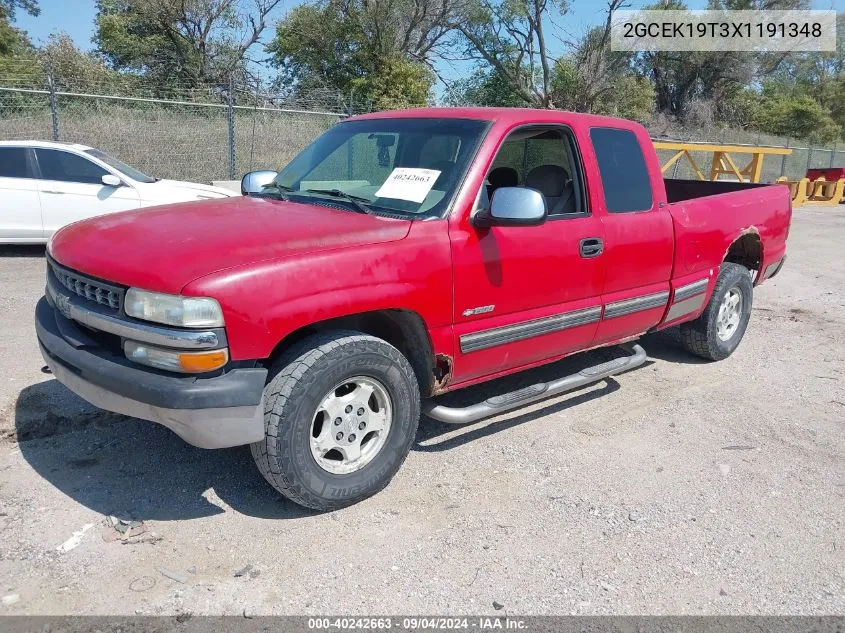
(760, 31)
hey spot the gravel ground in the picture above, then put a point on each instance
(682, 487)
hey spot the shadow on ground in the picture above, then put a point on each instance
(663, 346)
(113, 464)
(666, 346)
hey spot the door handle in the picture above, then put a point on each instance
(51, 191)
(591, 247)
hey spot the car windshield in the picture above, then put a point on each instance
(405, 166)
(120, 166)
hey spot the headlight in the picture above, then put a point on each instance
(173, 360)
(173, 309)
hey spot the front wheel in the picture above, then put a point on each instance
(717, 332)
(341, 413)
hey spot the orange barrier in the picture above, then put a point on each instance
(797, 189)
(818, 192)
(827, 193)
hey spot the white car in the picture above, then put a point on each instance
(46, 185)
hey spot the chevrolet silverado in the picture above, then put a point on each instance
(400, 256)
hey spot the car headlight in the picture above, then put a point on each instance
(173, 309)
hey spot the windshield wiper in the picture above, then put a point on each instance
(360, 203)
(279, 194)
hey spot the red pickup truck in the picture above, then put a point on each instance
(400, 256)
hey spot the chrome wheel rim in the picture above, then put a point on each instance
(351, 425)
(730, 314)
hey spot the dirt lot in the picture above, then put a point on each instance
(682, 487)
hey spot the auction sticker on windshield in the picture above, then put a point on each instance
(408, 183)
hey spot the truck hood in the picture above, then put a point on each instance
(164, 248)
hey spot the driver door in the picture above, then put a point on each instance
(528, 294)
(70, 188)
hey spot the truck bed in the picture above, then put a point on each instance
(678, 190)
(709, 216)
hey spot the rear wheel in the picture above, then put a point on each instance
(341, 412)
(717, 332)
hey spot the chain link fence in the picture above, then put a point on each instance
(197, 134)
(217, 134)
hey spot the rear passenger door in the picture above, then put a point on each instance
(71, 188)
(20, 208)
(638, 234)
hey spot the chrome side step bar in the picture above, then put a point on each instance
(540, 391)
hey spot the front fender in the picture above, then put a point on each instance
(264, 302)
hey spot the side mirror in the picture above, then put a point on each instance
(110, 180)
(254, 181)
(513, 206)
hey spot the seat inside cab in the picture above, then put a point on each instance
(541, 159)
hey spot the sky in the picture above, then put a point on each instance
(76, 18)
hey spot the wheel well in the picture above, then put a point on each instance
(747, 251)
(403, 329)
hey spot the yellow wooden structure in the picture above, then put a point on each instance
(723, 162)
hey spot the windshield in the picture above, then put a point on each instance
(394, 166)
(120, 166)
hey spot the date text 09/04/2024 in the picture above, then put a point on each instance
(418, 623)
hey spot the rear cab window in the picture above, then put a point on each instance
(14, 163)
(624, 174)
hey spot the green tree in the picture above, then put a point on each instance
(819, 75)
(319, 46)
(74, 69)
(682, 78)
(798, 116)
(510, 37)
(8, 8)
(11, 39)
(594, 78)
(379, 50)
(17, 55)
(14, 41)
(396, 83)
(483, 87)
(190, 42)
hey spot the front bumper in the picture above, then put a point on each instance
(217, 412)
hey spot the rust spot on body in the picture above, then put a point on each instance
(442, 373)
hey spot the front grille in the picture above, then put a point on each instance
(88, 288)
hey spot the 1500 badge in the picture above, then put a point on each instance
(479, 310)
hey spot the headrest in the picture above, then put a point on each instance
(503, 177)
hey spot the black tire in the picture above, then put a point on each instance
(700, 337)
(299, 381)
